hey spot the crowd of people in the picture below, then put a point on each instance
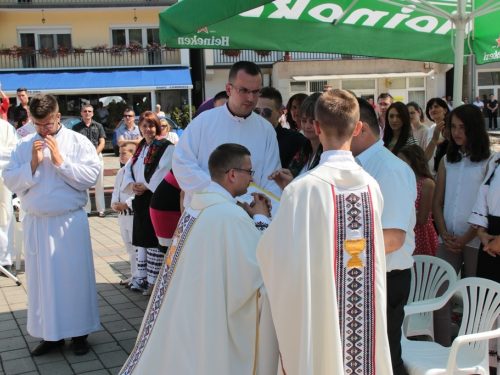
(363, 186)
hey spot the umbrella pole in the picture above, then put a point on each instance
(459, 62)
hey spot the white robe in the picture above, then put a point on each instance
(202, 317)
(62, 295)
(297, 259)
(213, 128)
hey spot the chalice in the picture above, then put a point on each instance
(355, 247)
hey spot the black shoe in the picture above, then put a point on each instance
(11, 269)
(80, 345)
(46, 346)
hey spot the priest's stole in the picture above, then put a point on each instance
(354, 266)
(184, 226)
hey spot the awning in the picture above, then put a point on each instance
(96, 81)
(362, 76)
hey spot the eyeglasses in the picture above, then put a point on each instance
(46, 126)
(128, 115)
(246, 91)
(266, 112)
(88, 111)
(249, 171)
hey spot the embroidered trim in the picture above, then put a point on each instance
(261, 226)
(163, 282)
(152, 159)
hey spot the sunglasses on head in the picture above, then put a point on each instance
(266, 112)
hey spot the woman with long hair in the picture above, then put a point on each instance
(426, 239)
(398, 133)
(293, 111)
(151, 162)
(460, 174)
(418, 129)
(438, 138)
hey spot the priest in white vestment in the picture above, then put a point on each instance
(203, 314)
(326, 277)
(234, 122)
(50, 170)
(8, 139)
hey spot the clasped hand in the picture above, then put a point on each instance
(37, 152)
(260, 205)
(452, 242)
(138, 188)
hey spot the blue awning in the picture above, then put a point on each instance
(97, 81)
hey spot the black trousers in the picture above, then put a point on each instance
(493, 117)
(398, 288)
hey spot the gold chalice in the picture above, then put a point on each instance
(354, 248)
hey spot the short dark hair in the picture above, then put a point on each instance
(247, 66)
(22, 116)
(86, 106)
(21, 89)
(151, 118)
(308, 107)
(128, 110)
(43, 105)
(367, 114)
(221, 95)
(440, 102)
(478, 142)
(385, 95)
(224, 157)
(337, 113)
(405, 131)
(272, 94)
(416, 156)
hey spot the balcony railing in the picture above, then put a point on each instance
(273, 56)
(36, 4)
(87, 59)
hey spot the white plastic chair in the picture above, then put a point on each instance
(468, 353)
(427, 276)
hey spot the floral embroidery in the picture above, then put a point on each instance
(302, 156)
(155, 152)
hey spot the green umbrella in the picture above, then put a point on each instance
(402, 29)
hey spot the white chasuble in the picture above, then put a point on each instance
(203, 314)
(326, 277)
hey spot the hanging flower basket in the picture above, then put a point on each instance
(116, 50)
(47, 52)
(262, 53)
(4, 51)
(133, 49)
(231, 52)
(78, 51)
(100, 48)
(20, 51)
(63, 50)
(153, 47)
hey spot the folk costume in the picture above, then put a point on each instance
(210, 269)
(62, 295)
(211, 129)
(8, 140)
(302, 161)
(149, 165)
(326, 280)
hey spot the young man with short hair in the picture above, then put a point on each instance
(384, 101)
(51, 170)
(333, 250)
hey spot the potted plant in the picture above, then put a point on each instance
(5, 51)
(231, 52)
(78, 51)
(153, 47)
(262, 53)
(99, 48)
(47, 52)
(116, 50)
(20, 51)
(63, 50)
(133, 48)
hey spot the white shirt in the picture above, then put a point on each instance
(172, 137)
(218, 126)
(479, 104)
(488, 198)
(462, 185)
(399, 189)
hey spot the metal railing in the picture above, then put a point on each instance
(270, 57)
(35, 4)
(88, 59)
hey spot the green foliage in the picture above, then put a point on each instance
(181, 116)
(115, 113)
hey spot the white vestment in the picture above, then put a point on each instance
(203, 314)
(215, 127)
(330, 316)
(62, 295)
(8, 140)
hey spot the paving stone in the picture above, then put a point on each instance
(12, 343)
(22, 320)
(113, 359)
(87, 366)
(118, 326)
(132, 313)
(6, 325)
(135, 321)
(6, 316)
(128, 345)
(104, 287)
(100, 337)
(15, 354)
(125, 335)
(124, 306)
(20, 314)
(142, 304)
(55, 355)
(111, 318)
(106, 310)
(114, 371)
(115, 300)
(11, 333)
(99, 372)
(106, 347)
(72, 358)
(55, 368)
(19, 366)
(108, 293)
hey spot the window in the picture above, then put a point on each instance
(42, 37)
(317, 86)
(299, 86)
(398, 83)
(53, 40)
(488, 78)
(414, 82)
(358, 84)
(142, 35)
(418, 97)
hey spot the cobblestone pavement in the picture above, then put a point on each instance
(121, 311)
